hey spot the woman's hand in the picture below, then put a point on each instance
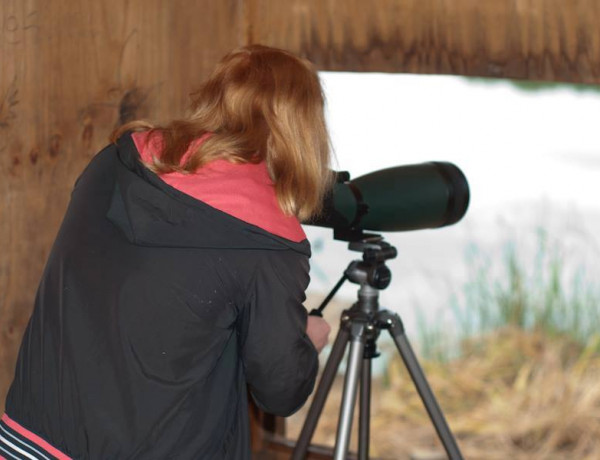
(318, 330)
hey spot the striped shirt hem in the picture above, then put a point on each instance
(18, 443)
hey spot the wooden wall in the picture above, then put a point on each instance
(72, 70)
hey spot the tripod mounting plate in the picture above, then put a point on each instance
(374, 249)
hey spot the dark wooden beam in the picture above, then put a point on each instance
(552, 40)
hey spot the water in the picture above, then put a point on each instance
(532, 160)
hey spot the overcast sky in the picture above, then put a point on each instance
(532, 159)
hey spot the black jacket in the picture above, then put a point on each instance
(154, 313)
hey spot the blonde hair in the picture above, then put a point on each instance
(259, 104)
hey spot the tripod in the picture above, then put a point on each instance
(360, 327)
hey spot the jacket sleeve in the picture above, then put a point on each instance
(280, 361)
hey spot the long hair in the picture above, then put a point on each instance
(259, 104)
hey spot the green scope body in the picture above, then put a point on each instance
(402, 198)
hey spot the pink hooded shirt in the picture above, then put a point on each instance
(244, 191)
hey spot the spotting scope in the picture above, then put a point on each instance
(411, 197)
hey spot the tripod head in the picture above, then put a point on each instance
(371, 270)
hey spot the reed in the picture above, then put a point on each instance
(539, 295)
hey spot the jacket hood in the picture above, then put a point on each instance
(150, 212)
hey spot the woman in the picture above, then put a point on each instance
(177, 279)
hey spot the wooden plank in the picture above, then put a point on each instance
(71, 70)
(555, 40)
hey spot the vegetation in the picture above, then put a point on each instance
(538, 296)
(520, 378)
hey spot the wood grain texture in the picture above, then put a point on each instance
(555, 40)
(70, 72)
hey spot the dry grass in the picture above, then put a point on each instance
(512, 395)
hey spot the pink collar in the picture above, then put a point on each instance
(244, 191)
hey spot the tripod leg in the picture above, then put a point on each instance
(365, 410)
(329, 373)
(357, 346)
(396, 329)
